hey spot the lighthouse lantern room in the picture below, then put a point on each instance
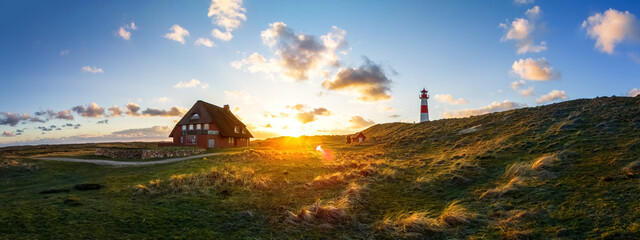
(424, 106)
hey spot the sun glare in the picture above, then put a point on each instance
(319, 148)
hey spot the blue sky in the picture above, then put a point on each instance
(468, 54)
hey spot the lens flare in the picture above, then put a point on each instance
(326, 154)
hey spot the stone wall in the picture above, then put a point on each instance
(135, 153)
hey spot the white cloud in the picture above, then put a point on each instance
(449, 99)
(611, 28)
(515, 85)
(297, 55)
(633, 92)
(203, 42)
(521, 30)
(256, 63)
(65, 52)
(551, 96)
(493, 107)
(93, 69)
(228, 14)
(533, 13)
(526, 92)
(190, 84)
(177, 33)
(124, 33)
(224, 36)
(535, 70)
(115, 111)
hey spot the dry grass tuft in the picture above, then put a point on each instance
(512, 185)
(546, 161)
(633, 169)
(353, 193)
(411, 223)
(336, 211)
(537, 169)
(323, 213)
(455, 214)
(213, 178)
(419, 223)
(332, 179)
(388, 173)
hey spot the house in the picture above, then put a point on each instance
(356, 138)
(208, 126)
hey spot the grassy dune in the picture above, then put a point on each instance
(567, 170)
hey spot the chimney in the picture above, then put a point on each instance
(226, 107)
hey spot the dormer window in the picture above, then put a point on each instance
(236, 129)
(243, 130)
(195, 116)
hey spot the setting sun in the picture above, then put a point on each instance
(316, 119)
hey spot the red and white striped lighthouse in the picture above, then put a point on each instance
(424, 106)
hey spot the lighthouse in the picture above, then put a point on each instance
(424, 106)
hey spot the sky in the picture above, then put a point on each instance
(102, 71)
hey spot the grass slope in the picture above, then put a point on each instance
(568, 170)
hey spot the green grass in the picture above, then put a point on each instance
(589, 190)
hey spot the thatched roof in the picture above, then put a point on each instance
(221, 117)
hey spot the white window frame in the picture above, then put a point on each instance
(198, 127)
(206, 126)
(231, 139)
(191, 127)
(184, 127)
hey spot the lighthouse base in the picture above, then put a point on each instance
(424, 117)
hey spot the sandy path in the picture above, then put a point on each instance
(122, 163)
